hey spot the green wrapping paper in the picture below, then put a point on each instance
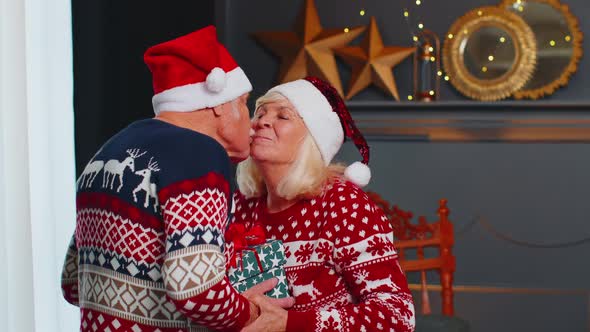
(247, 272)
(279, 291)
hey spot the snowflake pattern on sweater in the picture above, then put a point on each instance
(341, 266)
(147, 253)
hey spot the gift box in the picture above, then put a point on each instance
(279, 291)
(257, 263)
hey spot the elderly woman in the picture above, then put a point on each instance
(341, 264)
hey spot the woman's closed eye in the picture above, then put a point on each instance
(281, 114)
(285, 115)
(258, 114)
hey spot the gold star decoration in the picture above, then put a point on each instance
(372, 62)
(308, 50)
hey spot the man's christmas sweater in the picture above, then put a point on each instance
(341, 266)
(147, 253)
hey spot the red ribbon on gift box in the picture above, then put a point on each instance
(242, 238)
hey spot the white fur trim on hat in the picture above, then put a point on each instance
(358, 173)
(216, 80)
(321, 121)
(191, 97)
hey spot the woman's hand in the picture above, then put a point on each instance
(272, 317)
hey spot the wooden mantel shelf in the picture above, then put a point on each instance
(516, 121)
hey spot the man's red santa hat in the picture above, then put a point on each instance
(193, 72)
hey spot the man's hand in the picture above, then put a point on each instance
(272, 318)
(256, 294)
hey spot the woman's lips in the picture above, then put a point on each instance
(257, 137)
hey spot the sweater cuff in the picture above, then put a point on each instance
(298, 321)
(243, 318)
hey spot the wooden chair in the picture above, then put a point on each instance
(410, 237)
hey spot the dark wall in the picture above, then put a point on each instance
(112, 85)
(534, 193)
(244, 17)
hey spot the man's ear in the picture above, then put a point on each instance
(218, 110)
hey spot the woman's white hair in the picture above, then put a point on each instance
(307, 176)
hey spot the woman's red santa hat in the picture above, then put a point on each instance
(193, 72)
(328, 121)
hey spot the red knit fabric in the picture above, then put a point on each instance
(341, 263)
(217, 306)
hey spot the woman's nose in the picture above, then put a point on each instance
(262, 122)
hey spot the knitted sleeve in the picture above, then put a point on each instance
(69, 274)
(195, 214)
(365, 256)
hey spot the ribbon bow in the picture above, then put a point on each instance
(242, 239)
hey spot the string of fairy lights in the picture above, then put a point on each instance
(362, 13)
(412, 18)
(519, 6)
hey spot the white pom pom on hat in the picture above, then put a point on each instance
(358, 173)
(216, 80)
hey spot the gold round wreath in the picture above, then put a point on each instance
(572, 67)
(511, 81)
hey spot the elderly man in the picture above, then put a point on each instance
(154, 201)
